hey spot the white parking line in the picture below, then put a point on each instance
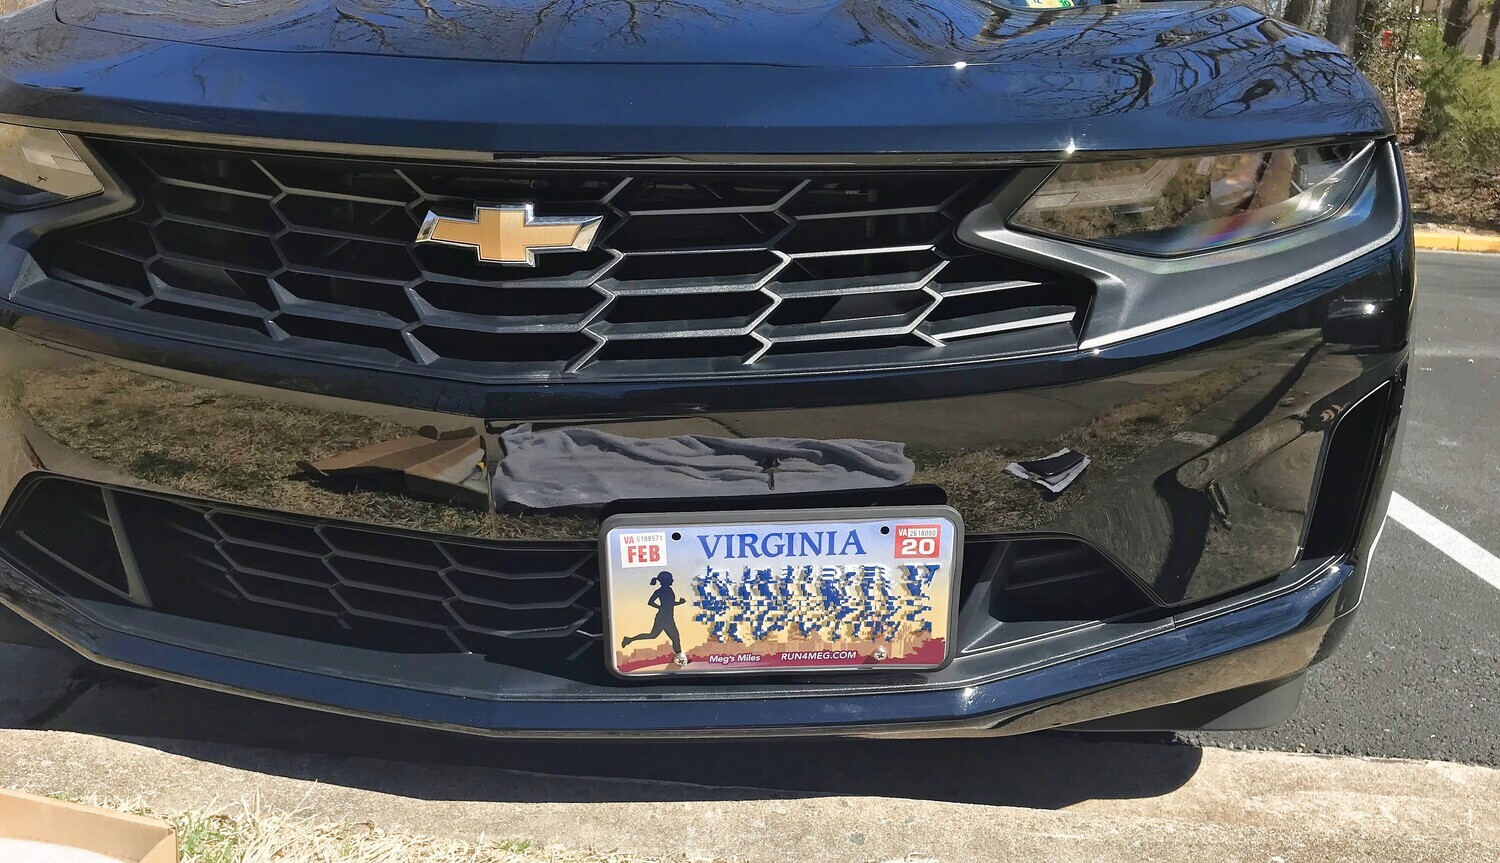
(1440, 536)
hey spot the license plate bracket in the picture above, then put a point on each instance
(768, 591)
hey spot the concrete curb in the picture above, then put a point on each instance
(1233, 806)
(1457, 242)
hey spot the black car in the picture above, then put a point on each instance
(729, 367)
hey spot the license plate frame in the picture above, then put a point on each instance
(621, 585)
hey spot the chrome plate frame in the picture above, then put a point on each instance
(812, 597)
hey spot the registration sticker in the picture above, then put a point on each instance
(642, 549)
(798, 591)
(919, 541)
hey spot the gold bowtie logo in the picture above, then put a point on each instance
(511, 233)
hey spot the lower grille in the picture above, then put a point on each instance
(522, 604)
(527, 605)
(694, 272)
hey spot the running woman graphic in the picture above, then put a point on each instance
(665, 601)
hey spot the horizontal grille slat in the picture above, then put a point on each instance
(745, 271)
(997, 322)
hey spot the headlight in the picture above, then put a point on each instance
(1185, 205)
(37, 168)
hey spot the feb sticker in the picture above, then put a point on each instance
(643, 549)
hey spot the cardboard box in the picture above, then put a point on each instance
(54, 830)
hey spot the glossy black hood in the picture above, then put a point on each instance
(683, 77)
(773, 32)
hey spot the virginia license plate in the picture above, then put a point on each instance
(804, 590)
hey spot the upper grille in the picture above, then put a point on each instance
(693, 272)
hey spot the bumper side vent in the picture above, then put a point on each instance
(1346, 479)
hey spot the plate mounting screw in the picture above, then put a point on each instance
(879, 654)
(680, 660)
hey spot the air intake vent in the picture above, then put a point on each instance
(1348, 464)
(1061, 579)
(694, 272)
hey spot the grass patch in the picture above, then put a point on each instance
(205, 838)
(251, 833)
(159, 467)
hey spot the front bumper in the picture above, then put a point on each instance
(1253, 646)
(1233, 501)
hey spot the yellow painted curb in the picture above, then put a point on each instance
(1446, 242)
(1457, 242)
(1478, 244)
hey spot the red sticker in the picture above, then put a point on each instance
(643, 549)
(919, 541)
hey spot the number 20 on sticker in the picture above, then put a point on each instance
(918, 541)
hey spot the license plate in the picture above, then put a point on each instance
(806, 590)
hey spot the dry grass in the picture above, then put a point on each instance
(992, 500)
(239, 449)
(251, 833)
(211, 444)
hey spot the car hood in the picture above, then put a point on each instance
(682, 77)
(876, 33)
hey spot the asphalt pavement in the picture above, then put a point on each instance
(1419, 674)
(1418, 677)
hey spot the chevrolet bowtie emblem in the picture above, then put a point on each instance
(511, 233)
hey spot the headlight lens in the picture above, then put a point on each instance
(37, 168)
(1185, 205)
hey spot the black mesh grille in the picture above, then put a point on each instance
(693, 272)
(521, 603)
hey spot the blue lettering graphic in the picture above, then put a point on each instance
(833, 601)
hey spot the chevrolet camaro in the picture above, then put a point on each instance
(697, 367)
